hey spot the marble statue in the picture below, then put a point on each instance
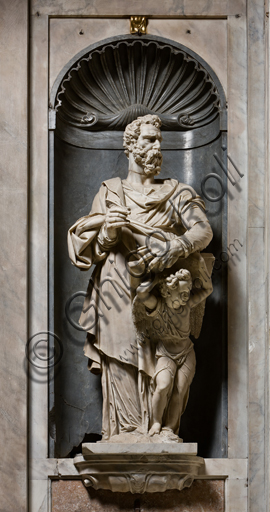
(137, 229)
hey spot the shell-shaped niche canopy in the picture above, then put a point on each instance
(112, 85)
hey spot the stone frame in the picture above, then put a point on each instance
(108, 139)
(248, 132)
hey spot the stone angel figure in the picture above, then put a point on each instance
(166, 311)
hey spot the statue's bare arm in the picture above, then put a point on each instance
(144, 295)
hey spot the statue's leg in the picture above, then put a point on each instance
(180, 393)
(163, 381)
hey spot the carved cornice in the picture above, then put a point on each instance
(114, 84)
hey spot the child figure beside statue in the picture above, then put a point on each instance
(166, 311)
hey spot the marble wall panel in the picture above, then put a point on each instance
(13, 253)
(257, 256)
(237, 234)
(236, 483)
(140, 7)
(69, 495)
(195, 34)
(67, 39)
(258, 448)
(68, 36)
(256, 124)
(38, 229)
(39, 499)
(267, 240)
(236, 495)
(234, 469)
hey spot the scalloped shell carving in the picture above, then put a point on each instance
(109, 88)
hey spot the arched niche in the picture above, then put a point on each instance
(103, 88)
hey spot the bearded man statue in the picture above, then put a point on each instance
(138, 227)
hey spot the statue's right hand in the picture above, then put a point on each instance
(116, 217)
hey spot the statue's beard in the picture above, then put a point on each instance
(150, 161)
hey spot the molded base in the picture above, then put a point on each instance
(139, 468)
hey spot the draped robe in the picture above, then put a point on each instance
(165, 211)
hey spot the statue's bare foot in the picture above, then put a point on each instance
(155, 429)
(169, 436)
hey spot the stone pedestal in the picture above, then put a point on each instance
(139, 468)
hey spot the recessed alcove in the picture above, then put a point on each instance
(85, 149)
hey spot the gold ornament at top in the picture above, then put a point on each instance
(138, 24)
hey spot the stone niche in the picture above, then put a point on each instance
(86, 148)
